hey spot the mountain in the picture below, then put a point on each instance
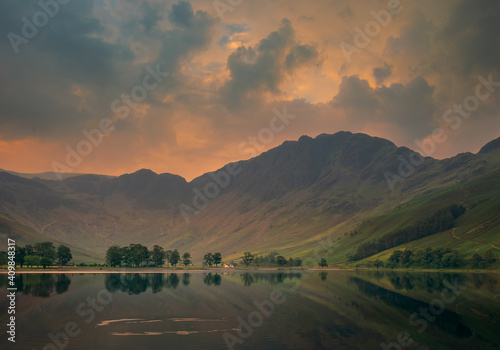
(284, 200)
(46, 175)
(490, 146)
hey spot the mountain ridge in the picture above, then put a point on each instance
(281, 200)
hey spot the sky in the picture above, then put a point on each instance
(185, 87)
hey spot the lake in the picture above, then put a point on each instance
(255, 310)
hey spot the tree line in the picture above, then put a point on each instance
(139, 255)
(442, 220)
(439, 258)
(270, 260)
(40, 254)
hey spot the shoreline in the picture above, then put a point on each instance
(163, 270)
(101, 270)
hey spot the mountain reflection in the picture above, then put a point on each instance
(40, 284)
(448, 321)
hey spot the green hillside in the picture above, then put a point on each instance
(477, 231)
(24, 235)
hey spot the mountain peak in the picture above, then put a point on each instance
(490, 146)
(144, 172)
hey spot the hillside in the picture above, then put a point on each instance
(282, 200)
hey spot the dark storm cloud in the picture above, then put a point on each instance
(182, 15)
(409, 107)
(414, 38)
(300, 54)
(382, 73)
(192, 32)
(355, 94)
(255, 71)
(152, 16)
(36, 96)
(472, 35)
(80, 56)
(70, 53)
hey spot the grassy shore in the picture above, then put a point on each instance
(202, 269)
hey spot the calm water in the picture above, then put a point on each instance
(308, 310)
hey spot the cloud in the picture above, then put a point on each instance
(193, 33)
(226, 77)
(472, 36)
(382, 73)
(233, 30)
(409, 108)
(355, 95)
(260, 70)
(299, 55)
(414, 38)
(39, 95)
(66, 77)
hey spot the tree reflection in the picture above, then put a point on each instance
(39, 284)
(62, 283)
(157, 283)
(172, 280)
(212, 279)
(271, 278)
(185, 279)
(247, 279)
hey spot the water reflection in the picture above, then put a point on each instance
(39, 285)
(326, 310)
(212, 279)
(186, 278)
(136, 283)
(272, 278)
(323, 275)
(448, 321)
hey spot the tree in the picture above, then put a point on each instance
(489, 257)
(114, 256)
(45, 250)
(158, 255)
(168, 253)
(63, 255)
(138, 254)
(323, 262)
(247, 258)
(45, 262)
(20, 254)
(29, 250)
(208, 259)
(186, 259)
(291, 262)
(477, 260)
(377, 263)
(4, 258)
(31, 260)
(217, 258)
(126, 256)
(406, 257)
(281, 261)
(175, 257)
(298, 262)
